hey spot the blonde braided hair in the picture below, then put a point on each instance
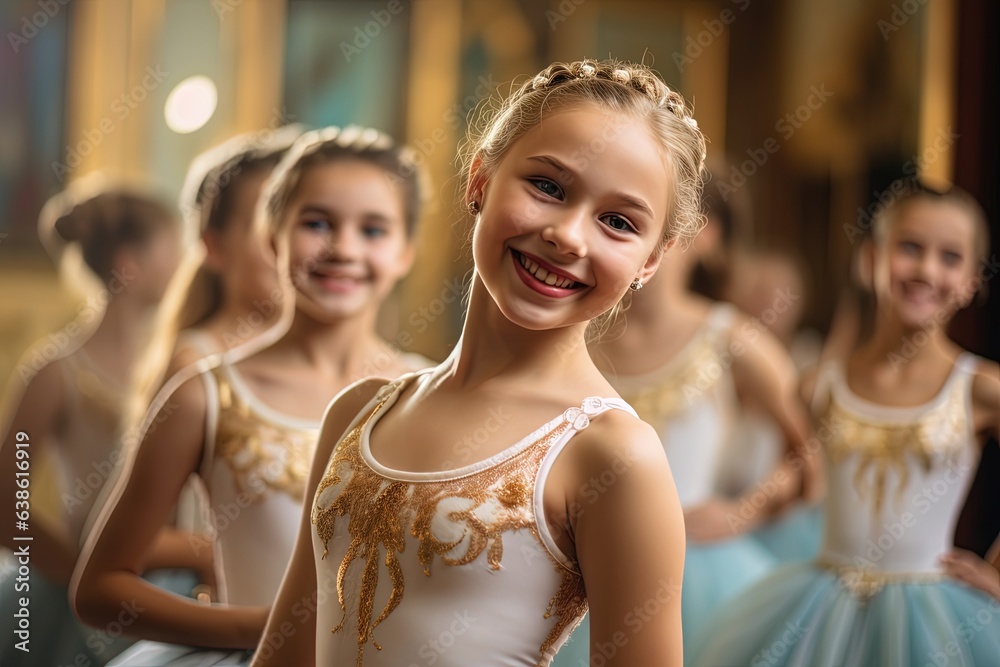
(624, 87)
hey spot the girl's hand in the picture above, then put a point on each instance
(972, 570)
(716, 519)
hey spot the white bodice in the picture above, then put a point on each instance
(897, 476)
(255, 467)
(691, 403)
(443, 568)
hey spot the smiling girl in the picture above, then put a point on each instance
(905, 418)
(341, 207)
(578, 182)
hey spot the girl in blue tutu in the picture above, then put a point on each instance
(901, 422)
(341, 209)
(685, 363)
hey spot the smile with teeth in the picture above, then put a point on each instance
(544, 275)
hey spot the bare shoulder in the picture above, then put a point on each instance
(986, 392)
(343, 410)
(617, 438)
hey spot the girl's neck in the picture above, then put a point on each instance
(123, 330)
(494, 348)
(345, 348)
(236, 323)
(893, 341)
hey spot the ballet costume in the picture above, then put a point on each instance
(691, 402)
(753, 453)
(453, 568)
(254, 468)
(875, 596)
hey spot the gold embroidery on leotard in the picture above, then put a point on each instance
(884, 447)
(262, 455)
(482, 505)
(700, 370)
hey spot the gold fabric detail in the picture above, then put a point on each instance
(670, 395)
(381, 511)
(262, 455)
(884, 446)
(864, 584)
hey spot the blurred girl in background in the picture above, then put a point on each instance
(71, 409)
(341, 211)
(902, 420)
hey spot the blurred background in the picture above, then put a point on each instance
(815, 105)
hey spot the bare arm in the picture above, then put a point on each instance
(629, 542)
(293, 616)
(28, 423)
(765, 371)
(118, 547)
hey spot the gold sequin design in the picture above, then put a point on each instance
(381, 511)
(262, 455)
(673, 394)
(884, 447)
(864, 584)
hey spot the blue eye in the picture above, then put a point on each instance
(373, 232)
(909, 247)
(547, 187)
(617, 223)
(316, 225)
(951, 258)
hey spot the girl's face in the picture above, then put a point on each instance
(244, 258)
(927, 262)
(572, 214)
(348, 244)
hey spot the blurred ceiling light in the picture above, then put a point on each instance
(190, 104)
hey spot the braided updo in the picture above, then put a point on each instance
(622, 87)
(330, 144)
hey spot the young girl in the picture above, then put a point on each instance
(901, 422)
(342, 210)
(578, 182)
(71, 406)
(685, 363)
(227, 290)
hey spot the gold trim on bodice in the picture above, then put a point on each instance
(882, 447)
(864, 584)
(481, 506)
(674, 393)
(261, 454)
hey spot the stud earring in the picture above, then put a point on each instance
(636, 285)
(473, 207)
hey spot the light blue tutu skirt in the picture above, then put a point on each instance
(714, 574)
(156, 654)
(794, 537)
(806, 616)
